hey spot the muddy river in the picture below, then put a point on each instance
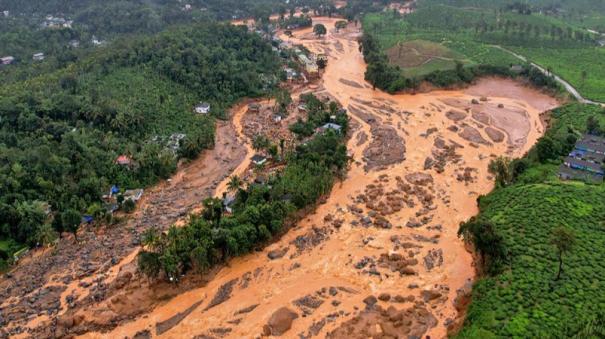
(381, 255)
(386, 231)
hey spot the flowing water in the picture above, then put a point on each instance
(393, 205)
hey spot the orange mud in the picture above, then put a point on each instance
(331, 252)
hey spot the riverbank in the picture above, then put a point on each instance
(388, 230)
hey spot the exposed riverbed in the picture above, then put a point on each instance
(388, 230)
(385, 236)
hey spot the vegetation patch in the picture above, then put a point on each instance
(422, 57)
(548, 278)
(475, 29)
(260, 210)
(123, 116)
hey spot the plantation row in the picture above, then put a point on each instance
(382, 74)
(557, 45)
(541, 242)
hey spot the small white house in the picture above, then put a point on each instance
(7, 60)
(290, 74)
(6, 13)
(332, 126)
(95, 41)
(202, 108)
(38, 57)
(258, 159)
(228, 202)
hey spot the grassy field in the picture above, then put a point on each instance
(470, 30)
(420, 57)
(525, 301)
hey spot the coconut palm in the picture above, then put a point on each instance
(234, 183)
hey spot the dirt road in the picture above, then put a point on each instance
(381, 255)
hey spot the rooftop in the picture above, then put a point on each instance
(258, 159)
(586, 160)
(331, 125)
(591, 143)
(577, 163)
(123, 160)
(570, 173)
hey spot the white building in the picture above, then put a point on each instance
(96, 41)
(202, 108)
(7, 60)
(38, 57)
(56, 22)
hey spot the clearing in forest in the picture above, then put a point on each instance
(420, 57)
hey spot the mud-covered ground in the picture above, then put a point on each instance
(48, 283)
(380, 255)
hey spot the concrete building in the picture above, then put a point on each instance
(134, 195)
(330, 125)
(258, 159)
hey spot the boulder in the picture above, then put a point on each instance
(429, 295)
(66, 321)
(384, 297)
(370, 301)
(280, 322)
(276, 254)
(122, 279)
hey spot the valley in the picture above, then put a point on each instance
(387, 231)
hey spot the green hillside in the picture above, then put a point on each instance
(525, 300)
(473, 29)
(61, 131)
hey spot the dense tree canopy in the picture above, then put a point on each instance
(61, 131)
(260, 212)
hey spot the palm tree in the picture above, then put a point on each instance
(234, 184)
(260, 142)
(46, 235)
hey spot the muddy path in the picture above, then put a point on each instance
(46, 284)
(381, 254)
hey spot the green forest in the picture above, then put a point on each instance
(522, 294)
(61, 131)
(23, 31)
(260, 212)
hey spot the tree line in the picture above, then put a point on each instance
(60, 132)
(260, 212)
(381, 74)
